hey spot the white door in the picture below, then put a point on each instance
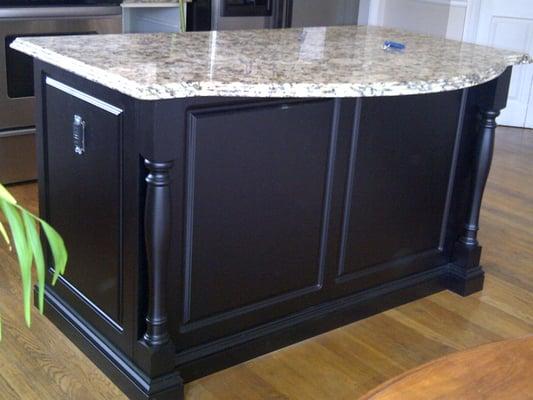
(507, 24)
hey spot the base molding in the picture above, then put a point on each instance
(465, 281)
(465, 275)
(203, 360)
(130, 379)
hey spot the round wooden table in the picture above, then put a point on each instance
(501, 370)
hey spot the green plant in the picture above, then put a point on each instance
(25, 236)
(183, 20)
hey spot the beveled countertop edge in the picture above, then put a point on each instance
(278, 90)
(112, 81)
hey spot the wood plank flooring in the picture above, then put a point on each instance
(343, 364)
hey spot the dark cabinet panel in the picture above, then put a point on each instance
(84, 191)
(283, 218)
(397, 187)
(257, 183)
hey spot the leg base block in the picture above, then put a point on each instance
(465, 281)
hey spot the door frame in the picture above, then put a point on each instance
(473, 12)
(470, 33)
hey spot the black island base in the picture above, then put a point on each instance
(206, 231)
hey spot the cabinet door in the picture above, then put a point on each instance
(83, 141)
(398, 183)
(257, 185)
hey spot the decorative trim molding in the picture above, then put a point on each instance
(89, 303)
(453, 168)
(83, 96)
(349, 188)
(423, 280)
(188, 324)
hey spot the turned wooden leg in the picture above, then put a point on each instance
(156, 357)
(482, 162)
(157, 239)
(466, 275)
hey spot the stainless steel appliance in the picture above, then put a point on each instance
(17, 148)
(257, 14)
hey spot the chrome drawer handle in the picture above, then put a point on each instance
(78, 134)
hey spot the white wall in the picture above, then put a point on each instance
(457, 19)
(364, 10)
(443, 18)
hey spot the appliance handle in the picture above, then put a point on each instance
(58, 12)
(268, 6)
(280, 8)
(287, 17)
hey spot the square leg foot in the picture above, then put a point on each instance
(465, 282)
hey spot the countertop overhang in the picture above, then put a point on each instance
(346, 61)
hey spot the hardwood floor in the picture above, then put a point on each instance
(343, 364)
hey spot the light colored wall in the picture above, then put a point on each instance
(457, 19)
(364, 10)
(417, 16)
(443, 18)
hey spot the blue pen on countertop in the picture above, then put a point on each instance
(390, 45)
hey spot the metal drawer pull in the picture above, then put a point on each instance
(78, 134)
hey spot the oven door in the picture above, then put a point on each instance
(247, 8)
(16, 69)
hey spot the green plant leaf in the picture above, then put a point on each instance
(24, 253)
(4, 194)
(57, 247)
(183, 20)
(35, 242)
(4, 234)
(27, 241)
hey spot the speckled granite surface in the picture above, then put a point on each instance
(309, 62)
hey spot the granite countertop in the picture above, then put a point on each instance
(306, 62)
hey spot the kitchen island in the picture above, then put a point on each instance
(224, 194)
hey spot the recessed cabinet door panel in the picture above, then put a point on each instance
(83, 139)
(256, 193)
(396, 195)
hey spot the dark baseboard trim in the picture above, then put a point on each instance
(132, 381)
(203, 360)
